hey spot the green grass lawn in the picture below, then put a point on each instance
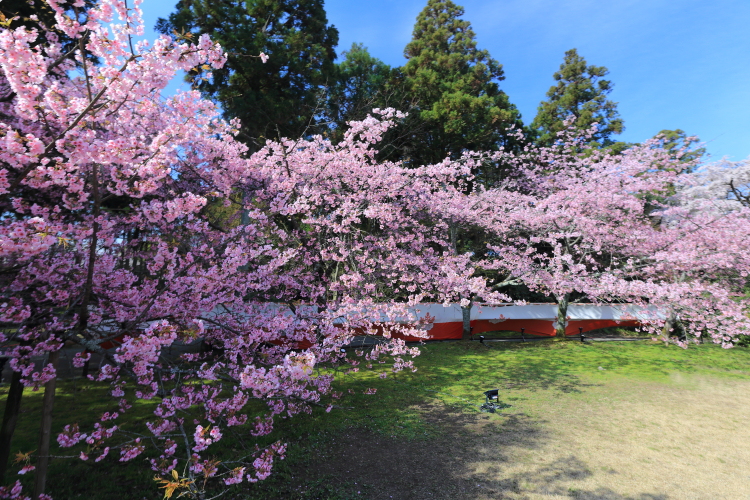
(537, 380)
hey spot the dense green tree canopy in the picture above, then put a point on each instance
(581, 92)
(281, 97)
(361, 83)
(456, 102)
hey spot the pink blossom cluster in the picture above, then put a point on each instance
(129, 452)
(143, 351)
(70, 436)
(204, 437)
(14, 492)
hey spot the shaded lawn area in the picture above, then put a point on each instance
(590, 421)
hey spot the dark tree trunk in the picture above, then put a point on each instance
(86, 366)
(10, 417)
(669, 324)
(466, 319)
(42, 463)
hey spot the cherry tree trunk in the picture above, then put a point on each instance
(45, 432)
(669, 324)
(466, 320)
(10, 418)
(562, 315)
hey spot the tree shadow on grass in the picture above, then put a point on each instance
(472, 457)
(607, 494)
(387, 467)
(550, 480)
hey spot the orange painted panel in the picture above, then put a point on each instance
(595, 324)
(439, 331)
(532, 326)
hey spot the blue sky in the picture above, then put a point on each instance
(674, 63)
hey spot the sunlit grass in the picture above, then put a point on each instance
(453, 374)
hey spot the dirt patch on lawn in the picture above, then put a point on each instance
(689, 439)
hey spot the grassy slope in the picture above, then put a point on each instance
(534, 377)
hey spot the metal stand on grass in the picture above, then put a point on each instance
(491, 403)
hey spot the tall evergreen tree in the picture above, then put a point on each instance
(362, 82)
(281, 97)
(457, 103)
(581, 92)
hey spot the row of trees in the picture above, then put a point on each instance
(144, 220)
(449, 86)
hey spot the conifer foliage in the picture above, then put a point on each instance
(453, 85)
(362, 83)
(275, 99)
(579, 92)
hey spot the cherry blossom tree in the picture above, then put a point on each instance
(725, 183)
(573, 222)
(706, 220)
(106, 239)
(113, 239)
